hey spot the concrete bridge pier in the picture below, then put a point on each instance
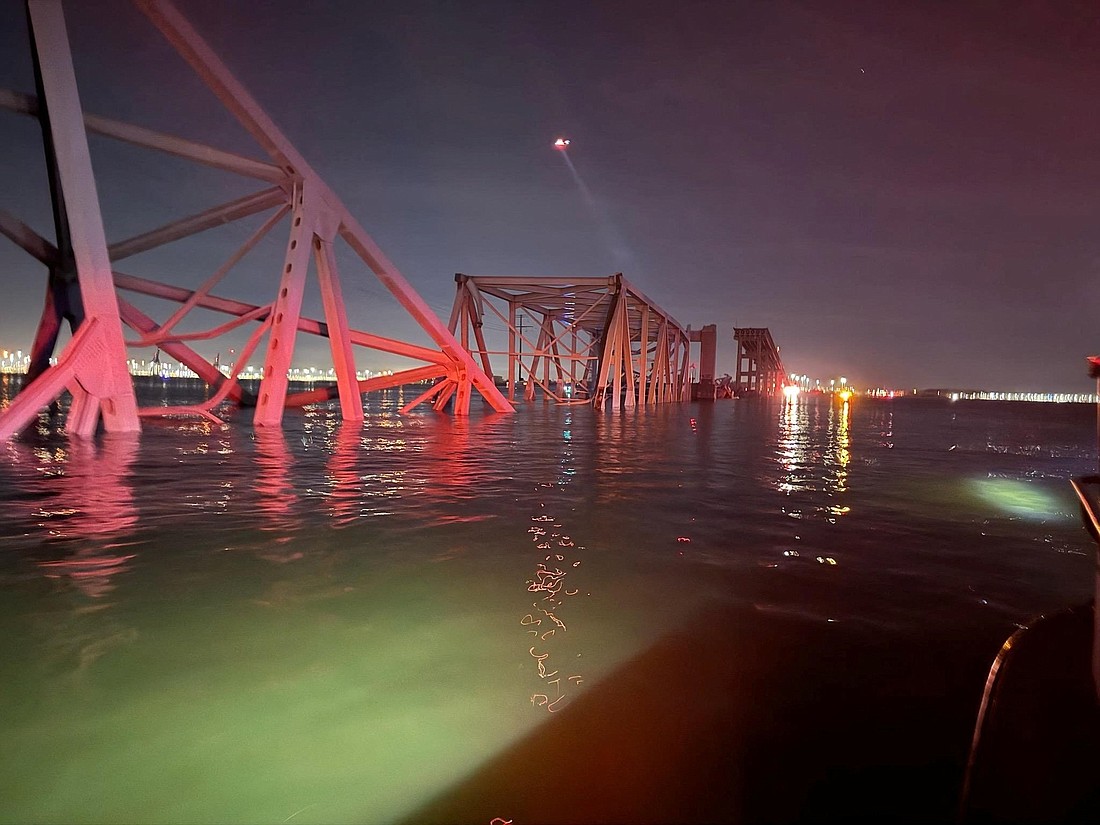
(707, 338)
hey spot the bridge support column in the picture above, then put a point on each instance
(96, 373)
(708, 345)
(285, 312)
(336, 319)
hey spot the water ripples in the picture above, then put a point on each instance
(738, 479)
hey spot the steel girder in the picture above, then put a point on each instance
(83, 280)
(600, 337)
(759, 367)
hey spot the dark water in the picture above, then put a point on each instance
(738, 611)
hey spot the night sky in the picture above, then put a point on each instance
(904, 193)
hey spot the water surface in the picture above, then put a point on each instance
(426, 617)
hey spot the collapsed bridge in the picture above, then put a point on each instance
(83, 281)
(597, 340)
(579, 340)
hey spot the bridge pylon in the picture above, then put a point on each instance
(84, 281)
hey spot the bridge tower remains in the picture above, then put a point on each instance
(704, 389)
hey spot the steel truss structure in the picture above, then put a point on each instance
(597, 341)
(83, 282)
(759, 368)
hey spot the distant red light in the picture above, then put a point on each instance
(561, 144)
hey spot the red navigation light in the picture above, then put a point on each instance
(561, 144)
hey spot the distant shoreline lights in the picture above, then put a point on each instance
(16, 363)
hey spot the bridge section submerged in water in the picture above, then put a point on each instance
(579, 340)
(82, 278)
(759, 369)
(599, 341)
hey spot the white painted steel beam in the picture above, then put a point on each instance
(244, 107)
(109, 393)
(143, 286)
(207, 219)
(150, 139)
(604, 320)
(319, 218)
(27, 239)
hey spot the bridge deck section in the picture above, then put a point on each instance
(578, 340)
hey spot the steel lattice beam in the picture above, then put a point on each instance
(316, 217)
(601, 337)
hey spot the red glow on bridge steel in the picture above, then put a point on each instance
(98, 503)
(93, 365)
(638, 355)
(597, 341)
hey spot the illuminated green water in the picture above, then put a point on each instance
(338, 624)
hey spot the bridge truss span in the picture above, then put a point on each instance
(576, 340)
(84, 281)
(759, 367)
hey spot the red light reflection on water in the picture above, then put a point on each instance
(343, 473)
(97, 483)
(273, 464)
(454, 463)
(93, 487)
(451, 451)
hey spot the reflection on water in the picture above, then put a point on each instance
(81, 489)
(794, 447)
(552, 584)
(342, 475)
(83, 505)
(811, 463)
(545, 621)
(840, 420)
(1020, 498)
(277, 500)
(439, 583)
(882, 426)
